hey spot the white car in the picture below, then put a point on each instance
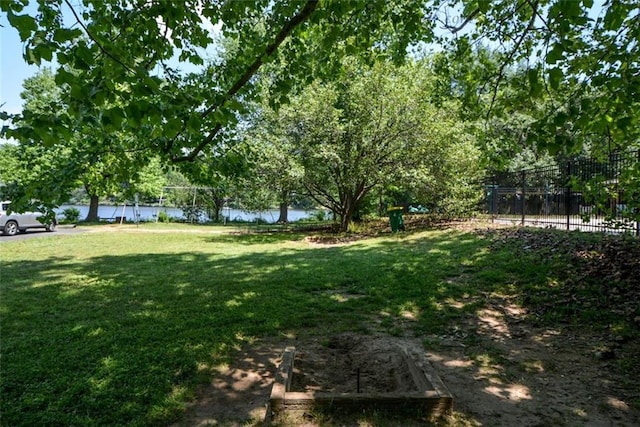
(12, 223)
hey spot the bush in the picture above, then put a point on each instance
(192, 213)
(320, 215)
(71, 215)
(163, 216)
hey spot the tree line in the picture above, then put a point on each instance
(333, 99)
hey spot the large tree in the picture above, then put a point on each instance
(276, 172)
(370, 127)
(86, 156)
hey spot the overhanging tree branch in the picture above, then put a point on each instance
(102, 48)
(251, 70)
(514, 50)
(469, 18)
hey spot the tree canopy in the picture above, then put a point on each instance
(154, 69)
(371, 127)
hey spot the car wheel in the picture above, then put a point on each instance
(50, 227)
(10, 228)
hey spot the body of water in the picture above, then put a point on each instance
(150, 213)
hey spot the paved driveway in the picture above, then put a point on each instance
(37, 233)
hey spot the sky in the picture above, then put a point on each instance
(13, 68)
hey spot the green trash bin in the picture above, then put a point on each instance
(395, 218)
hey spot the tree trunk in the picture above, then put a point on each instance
(348, 208)
(284, 213)
(218, 204)
(92, 216)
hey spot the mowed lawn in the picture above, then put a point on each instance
(120, 327)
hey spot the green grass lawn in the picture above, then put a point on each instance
(115, 328)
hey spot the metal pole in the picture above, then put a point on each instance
(524, 195)
(193, 204)
(568, 198)
(636, 210)
(136, 211)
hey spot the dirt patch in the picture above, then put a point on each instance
(238, 394)
(336, 239)
(513, 374)
(518, 374)
(349, 363)
(598, 272)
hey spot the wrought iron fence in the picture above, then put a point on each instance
(585, 194)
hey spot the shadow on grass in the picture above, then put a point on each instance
(256, 238)
(127, 339)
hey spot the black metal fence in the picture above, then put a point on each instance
(585, 194)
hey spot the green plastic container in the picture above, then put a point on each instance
(395, 218)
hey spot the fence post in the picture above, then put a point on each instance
(494, 198)
(636, 210)
(567, 202)
(524, 196)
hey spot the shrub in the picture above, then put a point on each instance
(192, 213)
(71, 215)
(320, 215)
(163, 216)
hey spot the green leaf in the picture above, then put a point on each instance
(234, 105)
(64, 77)
(535, 87)
(78, 91)
(219, 117)
(62, 35)
(555, 54)
(614, 17)
(115, 115)
(152, 82)
(555, 77)
(623, 122)
(570, 8)
(84, 57)
(560, 119)
(173, 126)
(585, 103)
(25, 24)
(194, 124)
(43, 51)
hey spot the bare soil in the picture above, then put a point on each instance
(515, 374)
(350, 363)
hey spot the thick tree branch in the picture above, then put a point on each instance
(464, 23)
(514, 50)
(251, 70)
(102, 48)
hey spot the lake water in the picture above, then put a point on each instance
(150, 213)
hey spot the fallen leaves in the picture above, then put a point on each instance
(595, 271)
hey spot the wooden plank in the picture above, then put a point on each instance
(432, 398)
(431, 375)
(431, 404)
(419, 378)
(297, 395)
(283, 379)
